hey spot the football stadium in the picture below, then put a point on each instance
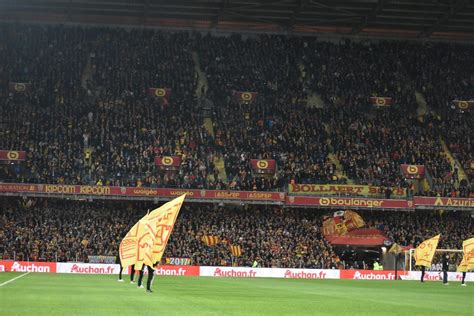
(236, 157)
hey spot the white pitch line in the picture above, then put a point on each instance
(16, 278)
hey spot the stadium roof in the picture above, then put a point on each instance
(448, 19)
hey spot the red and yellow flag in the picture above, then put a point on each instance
(235, 250)
(146, 241)
(210, 240)
(467, 262)
(425, 251)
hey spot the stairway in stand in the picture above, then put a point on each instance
(206, 111)
(333, 158)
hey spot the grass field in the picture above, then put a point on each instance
(74, 294)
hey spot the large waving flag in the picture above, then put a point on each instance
(147, 239)
(467, 262)
(425, 251)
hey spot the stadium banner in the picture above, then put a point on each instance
(13, 155)
(168, 162)
(413, 171)
(334, 189)
(245, 96)
(464, 105)
(87, 268)
(436, 276)
(245, 272)
(444, 202)
(27, 266)
(172, 261)
(160, 92)
(59, 189)
(381, 101)
(19, 86)
(102, 259)
(350, 203)
(370, 274)
(263, 166)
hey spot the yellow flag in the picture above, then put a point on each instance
(163, 220)
(425, 251)
(146, 241)
(467, 262)
(129, 246)
(396, 249)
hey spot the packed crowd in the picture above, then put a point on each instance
(50, 230)
(88, 117)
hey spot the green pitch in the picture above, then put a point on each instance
(73, 294)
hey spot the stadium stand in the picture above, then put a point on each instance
(91, 118)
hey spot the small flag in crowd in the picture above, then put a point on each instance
(19, 87)
(235, 250)
(210, 240)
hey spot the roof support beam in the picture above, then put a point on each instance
(299, 6)
(458, 6)
(222, 7)
(371, 16)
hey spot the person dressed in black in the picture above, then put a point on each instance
(132, 273)
(423, 269)
(463, 279)
(445, 269)
(151, 273)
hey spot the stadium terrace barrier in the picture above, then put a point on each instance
(141, 193)
(444, 202)
(348, 202)
(233, 272)
(227, 196)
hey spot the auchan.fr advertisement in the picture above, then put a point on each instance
(370, 274)
(236, 272)
(437, 276)
(27, 266)
(243, 272)
(173, 270)
(87, 268)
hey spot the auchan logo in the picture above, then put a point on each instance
(359, 275)
(304, 275)
(176, 272)
(31, 267)
(235, 273)
(91, 269)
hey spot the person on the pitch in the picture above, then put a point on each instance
(423, 269)
(132, 273)
(150, 272)
(463, 279)
(140, 277)
(445, 269)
